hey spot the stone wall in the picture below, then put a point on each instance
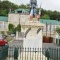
(15, 19)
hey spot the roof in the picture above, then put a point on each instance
(20, 9)
(53, 22)
(3, 18)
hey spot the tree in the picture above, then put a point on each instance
(14, 30)
(22, 6)
(58, 30)
(18, 28)
(45, 17)
(46, 14)
(28, 6)
(5, 6)
(11, 28)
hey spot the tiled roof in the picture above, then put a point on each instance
(53, 22)
(20, 9)
(3, 18)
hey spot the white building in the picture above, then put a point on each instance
(16, 16)
(3, 23)
(50, 26)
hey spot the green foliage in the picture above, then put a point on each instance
(18, 27)
(53, 15)
(58, 30)
(24, 6)
(11, 28)
(2, 32)
(14, 30)
(46, 14)
(5, 6)
(45, 17)
(9, 38)
(28, 6)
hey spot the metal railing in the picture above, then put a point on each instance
(20, 53)
(34, 53)
(3, 52)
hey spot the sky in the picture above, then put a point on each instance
(45, 4)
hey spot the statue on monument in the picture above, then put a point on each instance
(33, 4)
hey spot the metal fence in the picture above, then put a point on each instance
(3, 52)
(17, 53)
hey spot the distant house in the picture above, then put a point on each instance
(17, 16)
(3, 23)
(50, 26)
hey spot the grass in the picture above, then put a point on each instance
(9, 38)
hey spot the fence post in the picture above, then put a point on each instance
(47, 54)
(15, 54)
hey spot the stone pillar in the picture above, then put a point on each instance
(3, 25)
(17, 35)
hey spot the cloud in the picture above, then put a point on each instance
(46, 4)
(51, 4)
(20, 1)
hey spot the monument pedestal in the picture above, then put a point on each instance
(33, 34)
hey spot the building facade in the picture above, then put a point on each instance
(3, 23)
(50, 26)
(18, 16)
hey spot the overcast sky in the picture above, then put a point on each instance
(46, 4)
